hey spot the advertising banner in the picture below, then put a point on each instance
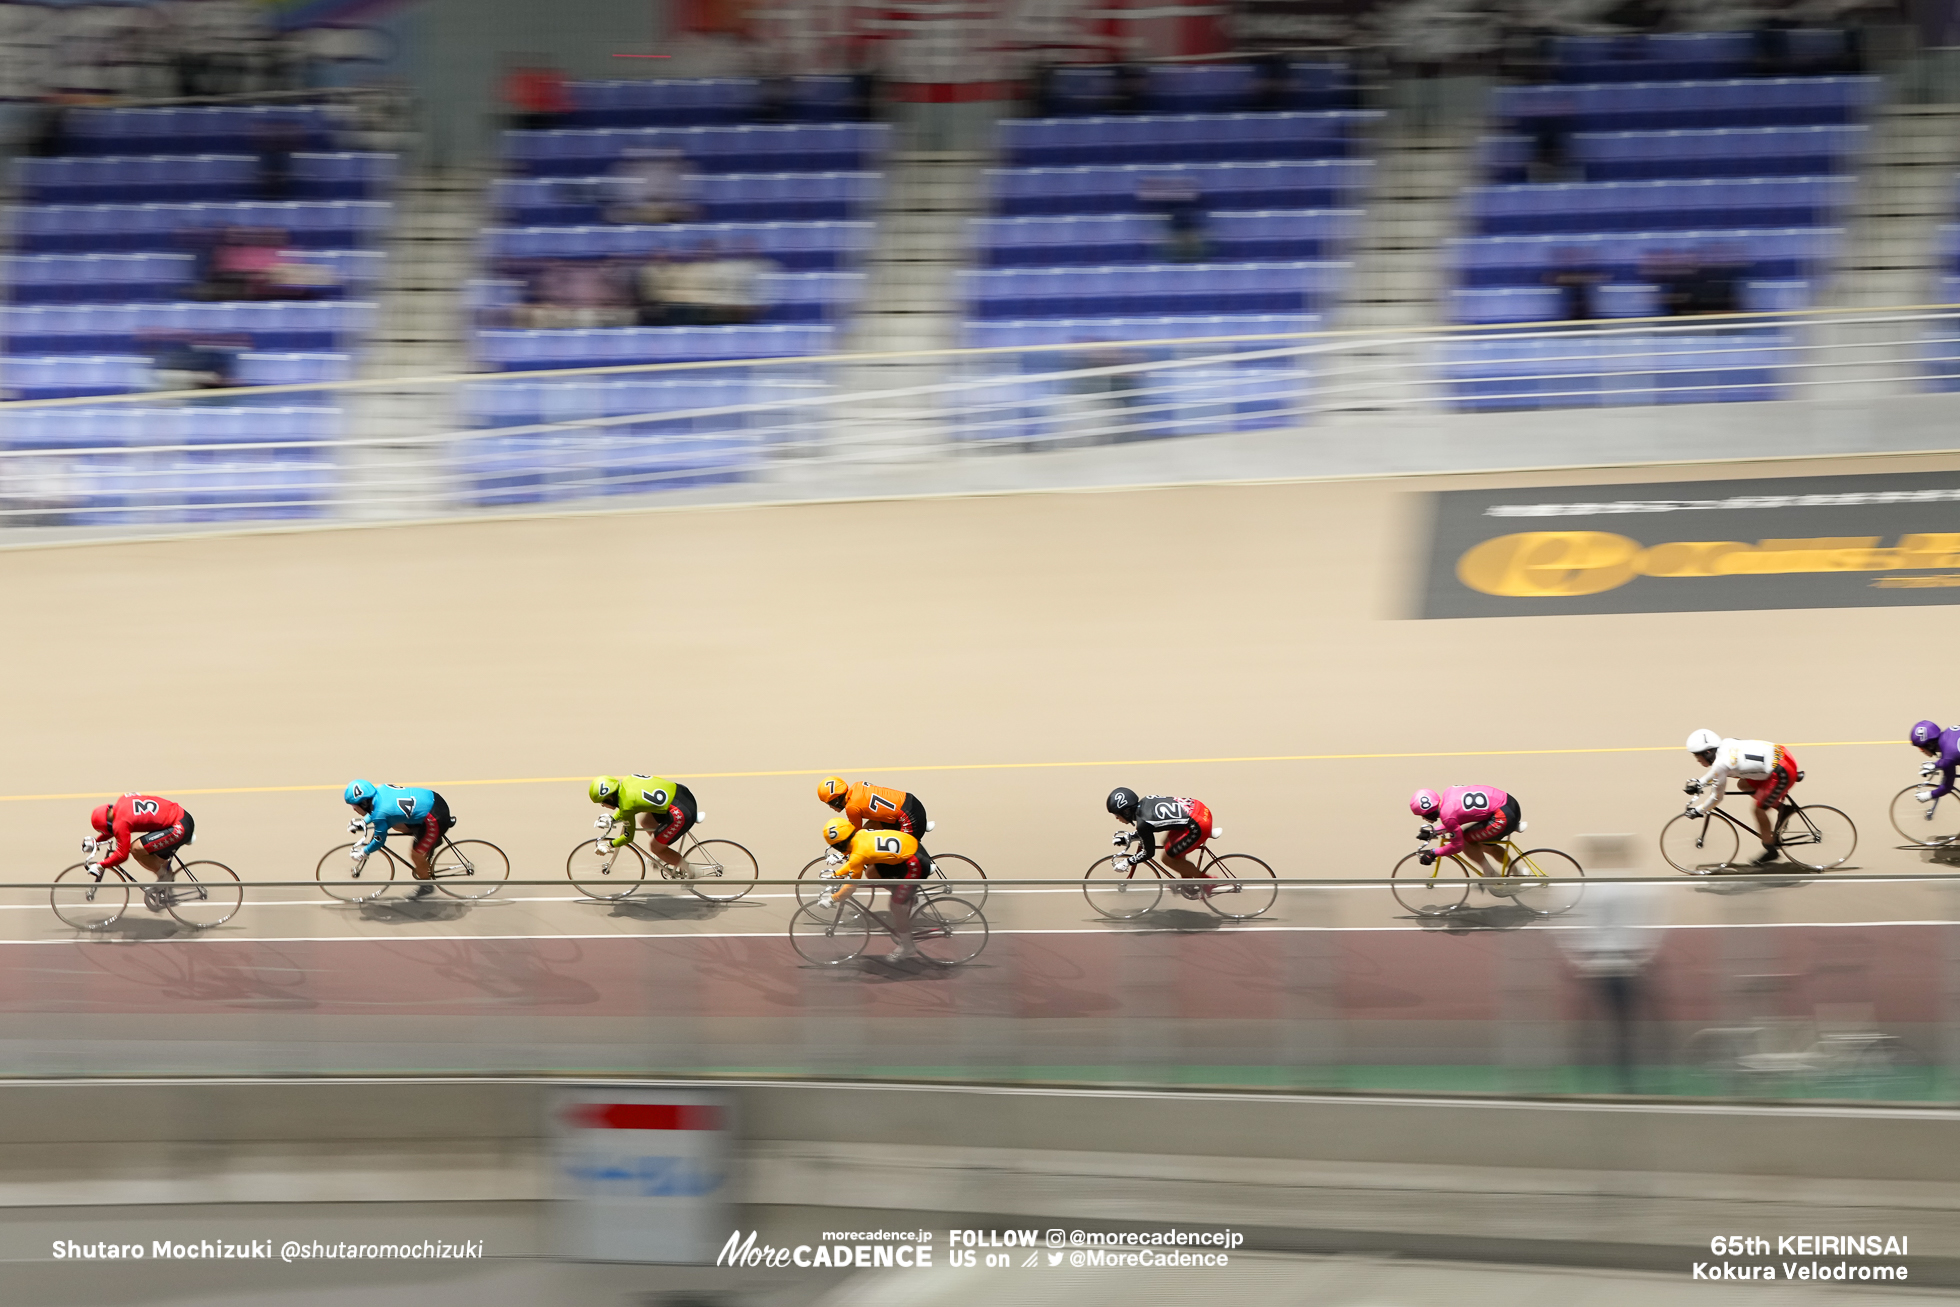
(642, 1175)
(1695, 546)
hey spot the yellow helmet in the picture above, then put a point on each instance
(832, 789)
(837, 832)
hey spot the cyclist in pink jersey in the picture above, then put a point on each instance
(1467, 817)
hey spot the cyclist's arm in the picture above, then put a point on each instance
(627, 817)
(1713, 782)
(1451, 831)
(120, 853)
(1146, 841)
(378, 834)
(1947, 768)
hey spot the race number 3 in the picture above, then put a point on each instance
(144, 807)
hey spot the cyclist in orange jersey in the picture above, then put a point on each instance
(873, 807)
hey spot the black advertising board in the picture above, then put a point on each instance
(1695, 546)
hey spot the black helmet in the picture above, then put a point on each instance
(1122, 803)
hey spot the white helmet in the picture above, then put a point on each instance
(1703, 740)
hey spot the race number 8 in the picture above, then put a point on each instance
(1475, 799)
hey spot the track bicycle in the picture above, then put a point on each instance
(1237, 886)
(1543, 881)
(1814, 836)
(462, 869)
(1926, 825)
(719, 871)
(199, 895)
(947, 931)
(947, 875)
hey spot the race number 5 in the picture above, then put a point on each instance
(886, 843)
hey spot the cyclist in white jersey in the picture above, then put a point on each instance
(1759, 768)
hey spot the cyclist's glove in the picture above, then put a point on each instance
(1122, 864)
(1426, 857)
(1691, 811)
(1924, 796)
(1692, 787)
(356, 853)
(1928, 768)
(1121, 838)
(1426, 833)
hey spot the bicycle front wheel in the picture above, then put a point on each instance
(1122, 895)
(470, 869)
(1699, 846)
(721, 870)
(964, 878)
(829, 937)
(1541, 868)
(205, 894)
(1250, 889)
(355, 882)
(1440, 887)
(602, 872)
(948, 931)
(810, 882)
(1909, 817)
(86, 903)
(1816, 836)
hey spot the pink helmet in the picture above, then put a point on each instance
(1425, 803)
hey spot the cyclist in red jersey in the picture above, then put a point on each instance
(163, 825)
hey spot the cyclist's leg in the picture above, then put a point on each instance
(1181, 850)
(664, 833)
(901, 899)
(912, 817)
(434, 827)
(153, 852)
(1770, 793)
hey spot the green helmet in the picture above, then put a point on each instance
(604, 789)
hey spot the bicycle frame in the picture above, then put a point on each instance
(468, 868)
(167, 890)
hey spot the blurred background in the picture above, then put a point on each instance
(1004, 402)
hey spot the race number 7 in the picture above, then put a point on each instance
(879, 803)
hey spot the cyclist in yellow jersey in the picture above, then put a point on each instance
(664, 809)
(893, 855)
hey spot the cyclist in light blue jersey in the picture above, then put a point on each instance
(407, 808)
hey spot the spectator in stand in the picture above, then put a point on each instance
(1180, 203)
(1272, 84)
(733, 285)
(1574, 278)
(649, 186)
(866, 82)
(1551, 132)
(1130, 88)
(651, 286)
(186, 362)
(536, 96)
(1673, 273)
(689, 288)
(1716, 286)
(48, 137)
(277, 142)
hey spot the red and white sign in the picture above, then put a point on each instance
(642, 1174)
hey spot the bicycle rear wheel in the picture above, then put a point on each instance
(723, 870)
(963, 877)
(1440, 887)
(602, 872)
(1121, 896)
(1699, 846)
(948, 931)
(1541, 867)
(355, 882)
(205, 894)
(828, 937)
(86, 903)
(1251, 890)
(469, 869)
(1816, 836)
(1910, 820)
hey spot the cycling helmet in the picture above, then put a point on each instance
(832, 789)
(102, 817)
(837, 832)
(1704, 741)
(1925, 735)
(359, 794)
(1122, 803)
(1425, 803)
(604, 789)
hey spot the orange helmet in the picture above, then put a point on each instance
(102, 817)
(837, 832)
(832, 789)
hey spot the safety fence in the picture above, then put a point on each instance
(1781, 986)
(420, 447)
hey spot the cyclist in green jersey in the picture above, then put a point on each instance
(664, 809)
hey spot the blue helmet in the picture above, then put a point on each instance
(359, 794)
(1925, 734)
